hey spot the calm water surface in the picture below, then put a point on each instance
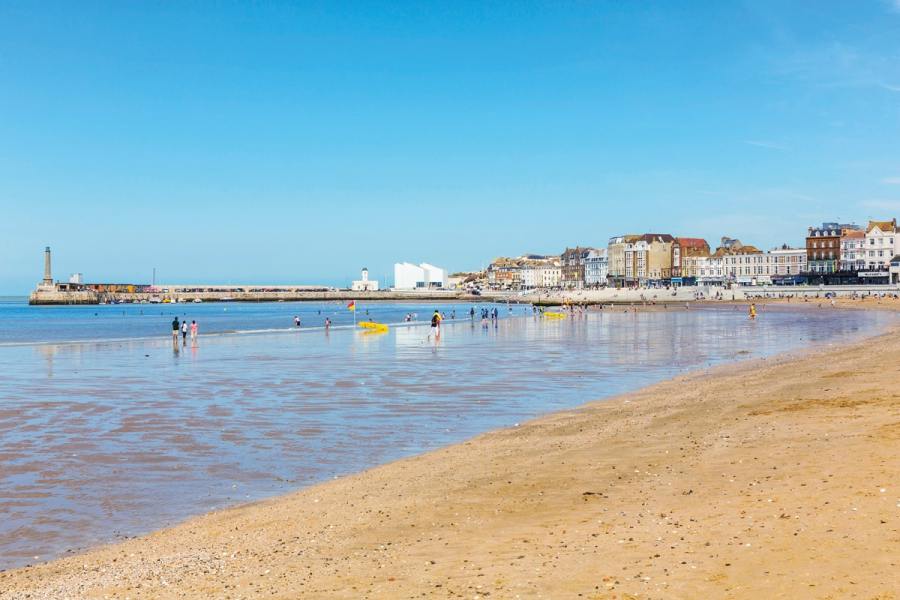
(93, 434)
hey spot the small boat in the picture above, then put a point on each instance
(197, 300)
(372, 326)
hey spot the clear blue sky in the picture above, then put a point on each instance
(298, 142)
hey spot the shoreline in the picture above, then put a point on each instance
(413, 506)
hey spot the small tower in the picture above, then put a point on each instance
(364, 284)
(48, 277)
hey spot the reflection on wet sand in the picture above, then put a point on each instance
(93, 435)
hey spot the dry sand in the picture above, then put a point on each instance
(767, 479)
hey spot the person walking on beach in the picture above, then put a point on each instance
(184, 332)
(175, 328)
(296, 321)
(194, 332)
(436, 324)
(472, 313)
(752, 310)
(327, 324)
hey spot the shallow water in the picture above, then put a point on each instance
(20, 323)
(102, 439)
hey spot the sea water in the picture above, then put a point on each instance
(94, 433)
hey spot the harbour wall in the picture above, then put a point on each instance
(45, 297)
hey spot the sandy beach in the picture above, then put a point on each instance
(777, 478)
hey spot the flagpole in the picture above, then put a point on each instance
(354, 314)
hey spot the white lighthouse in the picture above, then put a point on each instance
(364, 284)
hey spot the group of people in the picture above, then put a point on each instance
(183, 328)
(488, 315)
(298, 322)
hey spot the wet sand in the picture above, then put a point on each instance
(776, 478)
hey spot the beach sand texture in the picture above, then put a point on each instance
(773, 478)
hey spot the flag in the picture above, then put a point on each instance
(352, 305)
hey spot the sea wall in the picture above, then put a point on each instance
(40, 297)
(88, 297)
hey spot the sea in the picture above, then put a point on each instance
(101, 415)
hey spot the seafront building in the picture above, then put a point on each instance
(424, 276)
(530, 271)
(880, 247)
(634, 269)
(895, 269)
(544, 273)
(596, 268)
(823, 246)
(853, 251)
(616, 259)
(661, 253)
(789, 264)
(504, 273)
(572, 263)
(710, 270)
(690, 250)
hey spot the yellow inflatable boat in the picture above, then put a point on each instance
(555, 315)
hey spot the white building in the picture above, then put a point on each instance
(531, 276)
(550, 275)
(853, 250)
(540, 273)
(434, 276)
(788, 261)
(752, 268)
(408, 276)
(364, 284)
(596, 267)
(880, 245)
(710, 270)
(895, 269)
(748, 269)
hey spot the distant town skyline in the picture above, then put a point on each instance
(276, 143)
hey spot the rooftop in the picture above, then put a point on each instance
(883, 226)
(686, 242)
